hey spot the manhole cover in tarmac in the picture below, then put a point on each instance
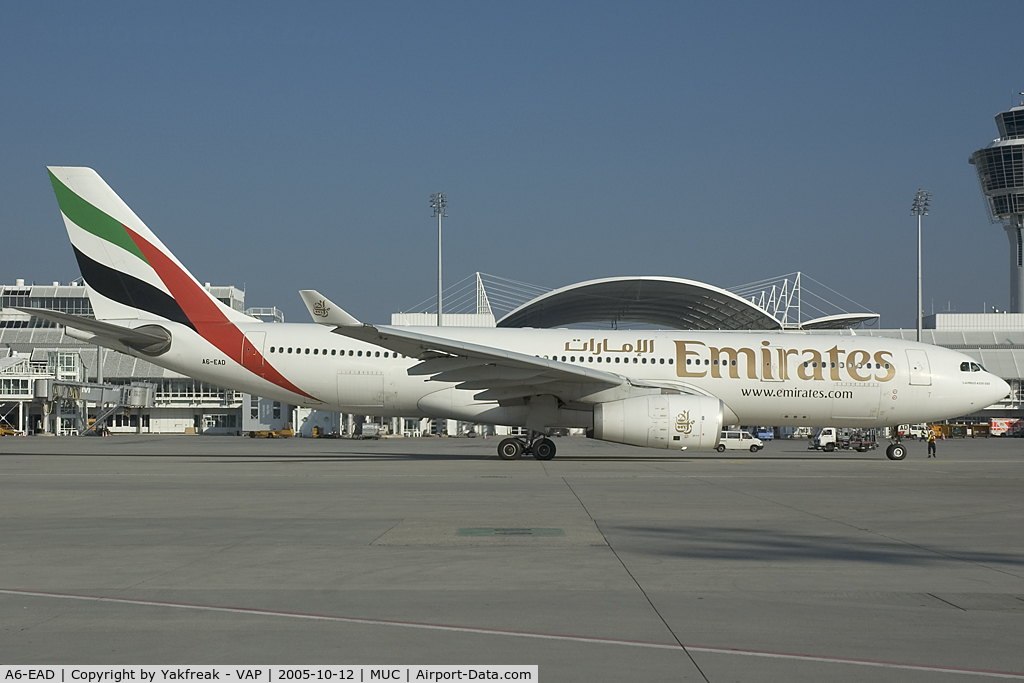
(494, 531)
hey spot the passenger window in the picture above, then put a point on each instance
(644, 361)
(360, 353)
(307, 352)
(661, 361)
(315, 351)
(590, 359)
(289, 349)
(670, 361)
(334, 351)
(350, 352)
(377, 354)
(385, 354)
(572, 359)
(617, 359)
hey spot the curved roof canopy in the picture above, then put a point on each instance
(839, 322)
(669, 302)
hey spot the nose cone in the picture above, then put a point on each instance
(1000, 389)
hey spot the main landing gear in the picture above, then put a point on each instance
(536, 444)
(896, 449)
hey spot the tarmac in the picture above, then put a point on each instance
(609, 563)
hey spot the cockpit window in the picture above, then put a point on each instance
(967, 366)
(976, 368)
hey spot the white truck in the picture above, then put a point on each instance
(916, 432)
(829, 439)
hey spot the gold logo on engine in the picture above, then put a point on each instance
(683, 422)
(321, 309)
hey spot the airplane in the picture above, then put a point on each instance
(669, 389)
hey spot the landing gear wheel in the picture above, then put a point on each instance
(510, 449)
(721, 448)
(544, 449)
(829, 447)
(896, 451)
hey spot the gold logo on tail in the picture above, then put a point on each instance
(321, 309)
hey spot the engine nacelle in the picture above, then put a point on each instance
(662, 421)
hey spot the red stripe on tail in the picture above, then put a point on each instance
(209, 321)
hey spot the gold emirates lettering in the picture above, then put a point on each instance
(697, 359)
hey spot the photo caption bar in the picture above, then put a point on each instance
(266, 674)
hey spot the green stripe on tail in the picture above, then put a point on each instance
(89, 218)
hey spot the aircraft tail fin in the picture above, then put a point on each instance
(325, 311)
(129, 272)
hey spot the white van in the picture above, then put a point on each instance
(739, 441)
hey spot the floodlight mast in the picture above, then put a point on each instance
(920, 208)
(438, 202)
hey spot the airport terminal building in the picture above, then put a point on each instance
(45, 373)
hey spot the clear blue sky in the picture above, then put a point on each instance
(295, 145)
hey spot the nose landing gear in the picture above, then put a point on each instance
(536, 444)
(896, 450)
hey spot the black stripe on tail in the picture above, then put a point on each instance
(130, 291)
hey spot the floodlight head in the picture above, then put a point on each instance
(438, 202)
(921, 202)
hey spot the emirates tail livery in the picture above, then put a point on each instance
(671, 389)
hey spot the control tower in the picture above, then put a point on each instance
(1000, 168)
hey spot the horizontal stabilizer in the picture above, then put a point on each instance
(325, 311)
(150, 339)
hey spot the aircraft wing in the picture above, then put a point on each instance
(497, 373)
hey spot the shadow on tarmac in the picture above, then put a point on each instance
(767, 545)
(251, 458)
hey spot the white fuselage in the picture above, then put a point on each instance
(762, 378)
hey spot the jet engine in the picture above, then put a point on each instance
(680, 421)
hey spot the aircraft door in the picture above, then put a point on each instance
(860, 403)
(252, 351)
(771, 368)
(363, 389)
(920, 371)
